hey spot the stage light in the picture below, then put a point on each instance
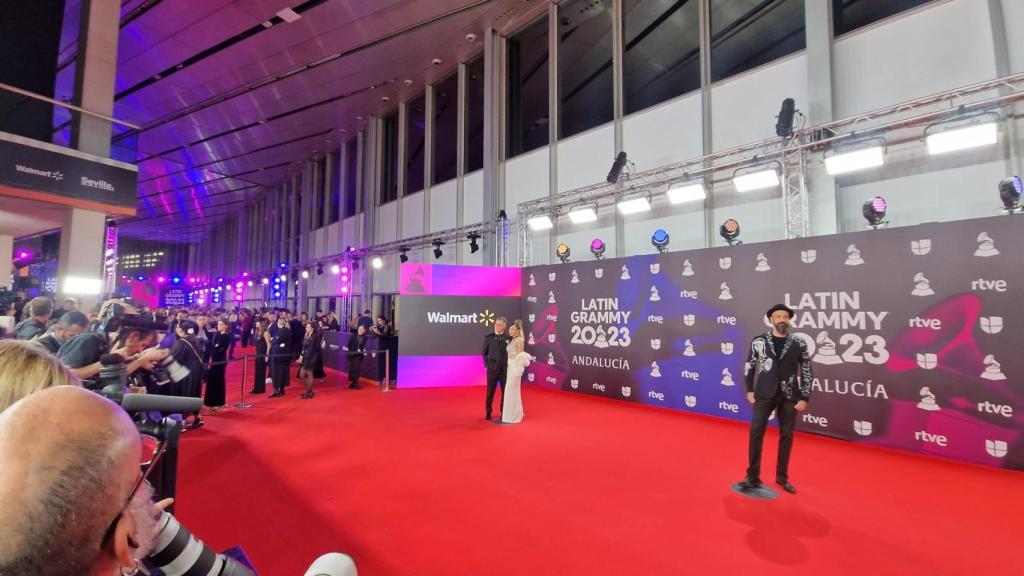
(220, 279)
(634, 205)
(874, 212)
(690, 191)
(437, 248)
(23, 254)
(473, 245)
(175, 279)
(249, 283)
(282, 278)
(283, 265)
(403, 257)
(245, 274)
(962, 138)
(277, 294)
(320, 269)
(265, 281)
(597, 248)
(1009, 192)
(344, 289)
(855, 160)
(161, 279)
(562, 251)
(140, 277)
(730, 231)
(760, 179)
(349, 249)
(228, 287)
(377, 262)
(238, 284)
(617, 166)
(660, 239)
(344, 269)
(784, 125)
(583, 214)
(305, 274)
(538, 223)
(335, 269)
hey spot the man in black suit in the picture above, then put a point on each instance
(781, 365)
(356, 353)
(496, 361)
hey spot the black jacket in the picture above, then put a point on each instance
(496, 353)
(281, 346)
(357, 345)
(791, 371)
(28, 329)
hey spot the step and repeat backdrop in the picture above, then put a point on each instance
(445, 313)
(914, 332)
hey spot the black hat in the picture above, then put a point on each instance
(778, 307)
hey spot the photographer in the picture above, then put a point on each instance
(71, 323)
(113, 332)
(39, 310)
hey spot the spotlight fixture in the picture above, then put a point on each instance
(335, 269)
(377, 263)
(755, 179)
(874, 212)
(689, 191)
(538, 223)
(971, 135)
(583, 214)
(175, 279)
(660, 239)
(634, 205)
(784, 125)
(403, 255)
(265, 281)
(473, 245)
(597, 248)
(320, 269)
(249, 283)
(730, 231)
(1009, 192)
(617, 166)
(861, 159)
(562, 251)
(437, 248)
(283, 278)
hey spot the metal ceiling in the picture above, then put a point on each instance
(224, 116)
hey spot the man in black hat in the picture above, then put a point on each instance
(781, 366)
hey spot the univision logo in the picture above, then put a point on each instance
(808, 256)
(727, 348)
(725, 263)
(921, 247)
(574, 383)
(927, 360)
(995, 448)
(689, 319)
(690, 401)
(862, 427)
(991, 324)
(626, 391)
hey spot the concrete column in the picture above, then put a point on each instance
(821, 188)
(460, 160)
(708, 145)
(618, 54)
(430, 111)
(554, 121)
(6, 253)
(96, 70)
(1001, 49)
(81, 250)
(493, 200)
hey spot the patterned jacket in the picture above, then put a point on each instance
(791, 370)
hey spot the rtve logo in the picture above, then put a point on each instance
(729, 407)
(817, 420)
(931, 438)
(1004, 410)
(930, 323)
(982, 284)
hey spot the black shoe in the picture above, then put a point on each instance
(786, 486)
(357, 387)
(751, 483)
(488, 417)
(276, 394)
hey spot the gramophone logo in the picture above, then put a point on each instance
(655, 268)
(927, 360)
(689, 319)
(551, 297)
(575, 279)
(687, 268)
(922, 286)
(853, 257)
(655, 344)
(727, 378)
(533, 281)
(532, 317)
(808, 256)
(921, 247)
(727, 348)
(552, 276)
(599, 273)
(655, 296)
(991, 324)
(863, 427)
(626, 391)
(762, 263)
(928, 403)
(551, 359)
(986, 246)
(655, 370)
(574, 383)
(726, 294)
(688, 348)
(993, 370)
(551, 337)
(530, 340)
(725, 262)
(995, 448)
(625, 273)
(690, 401)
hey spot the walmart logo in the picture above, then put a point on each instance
(486, 318)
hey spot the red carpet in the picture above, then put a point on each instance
(415, 482)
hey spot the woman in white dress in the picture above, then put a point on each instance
(518, 360)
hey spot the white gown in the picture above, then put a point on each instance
(512, 400)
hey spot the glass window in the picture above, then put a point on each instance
(334, 192)
(584, 65)
(415, 139)
(389, 163)
(848, 15)
(747, 34)
(446, 126)
(662, 42)
(351, 177)
(475, 115)
(528, 89)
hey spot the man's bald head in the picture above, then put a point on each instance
(69, 459)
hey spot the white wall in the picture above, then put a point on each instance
(584, 159)
(526, 177)
(412, 215)
(664, 134)
(387, 223)
(944, 46)
(1013, 15)
(443, 206)
(744, 107)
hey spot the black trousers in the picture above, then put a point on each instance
(259, 383)
(493, 377)
(355, 367)
(785, 411)
(279, 373)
